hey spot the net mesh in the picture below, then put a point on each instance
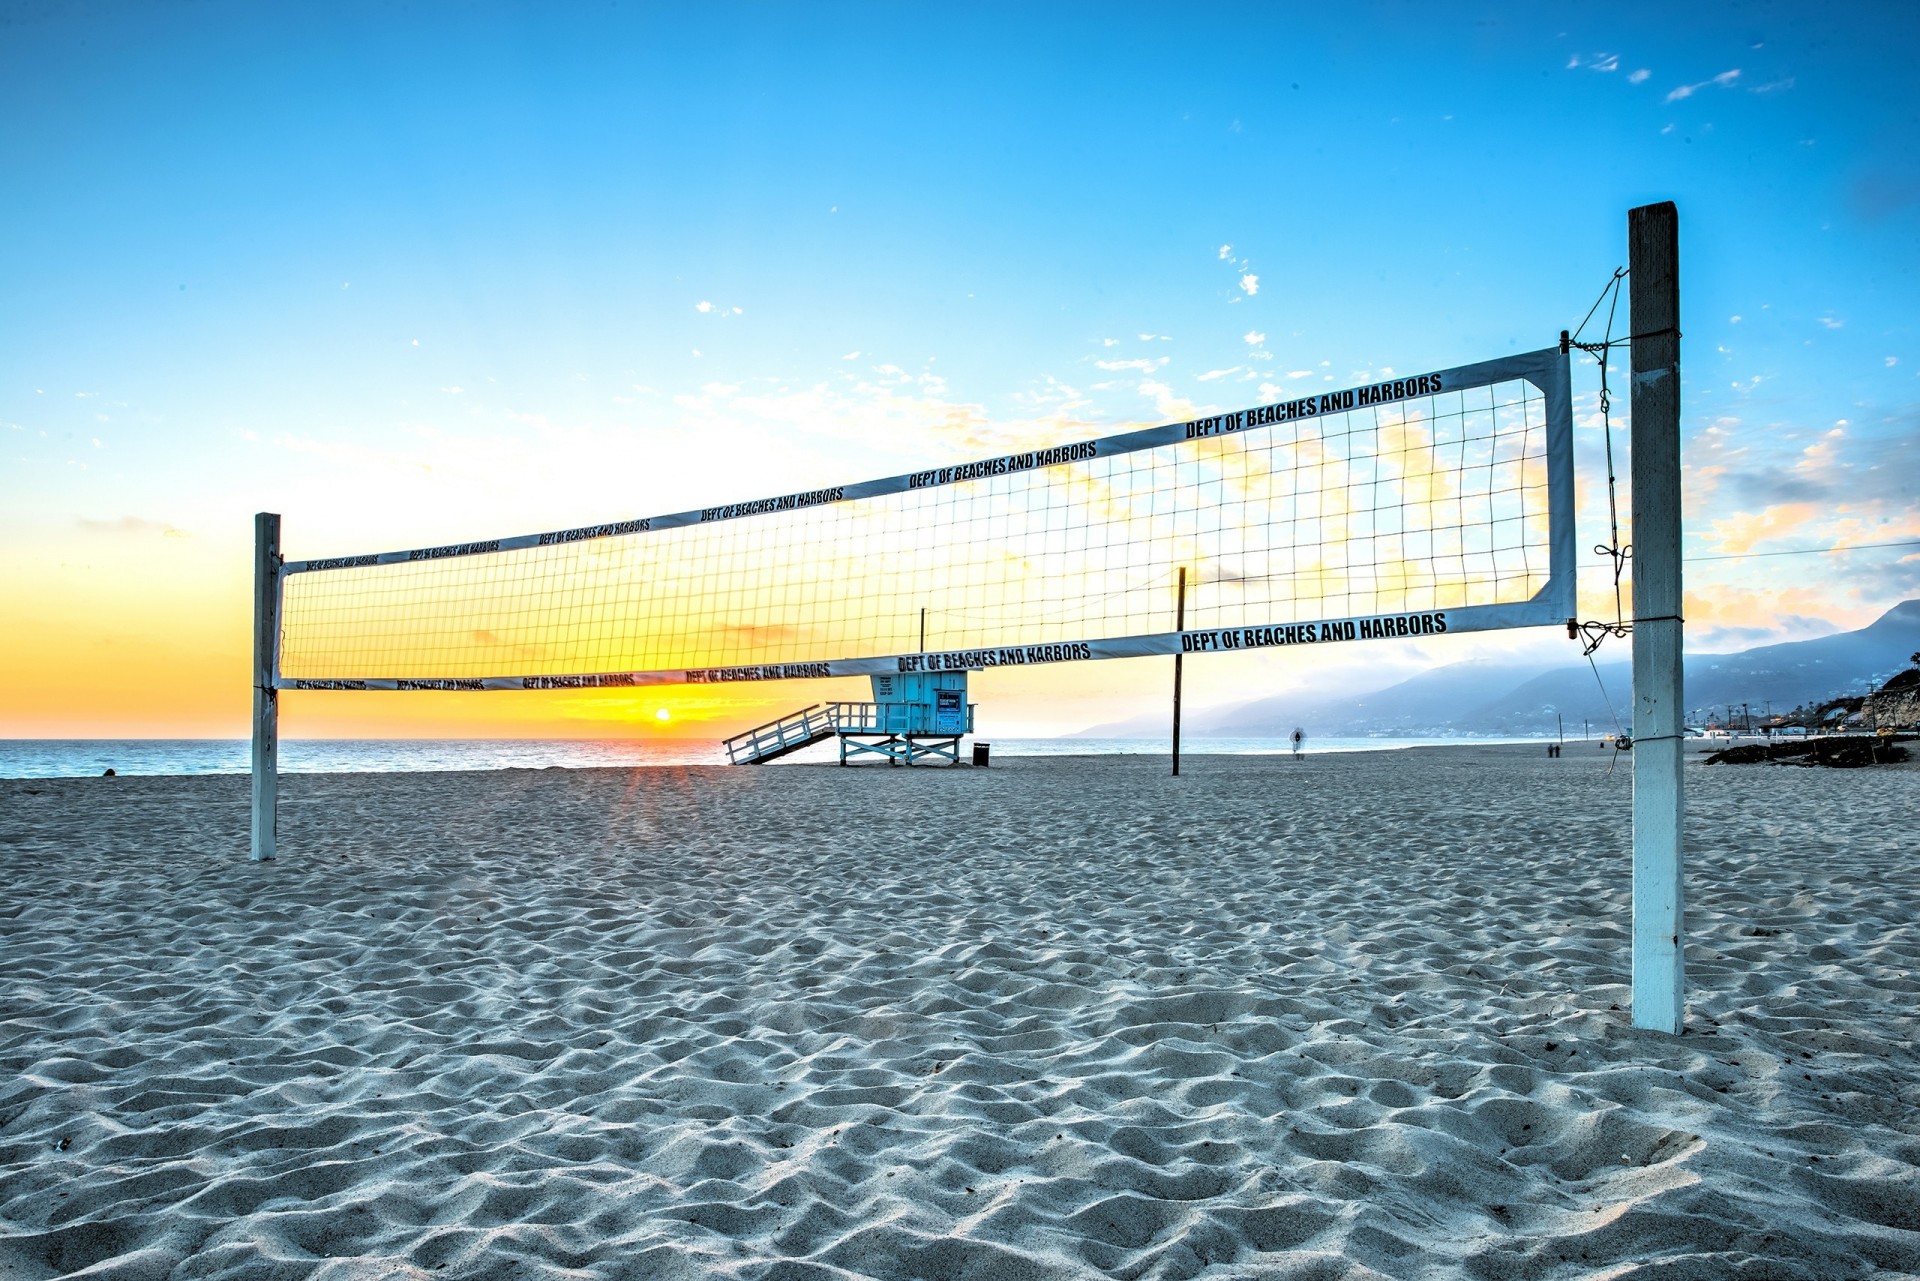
(1432, 503)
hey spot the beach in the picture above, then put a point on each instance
(1362, 1015)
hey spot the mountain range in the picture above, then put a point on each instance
(1497, 699)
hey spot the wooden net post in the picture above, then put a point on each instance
(266, 699)
(1659, 798)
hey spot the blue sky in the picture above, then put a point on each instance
(414, 274)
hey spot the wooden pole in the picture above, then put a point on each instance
(1179, 625)
(1659, 798)
(266, 699)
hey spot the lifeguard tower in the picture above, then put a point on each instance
(914, 717)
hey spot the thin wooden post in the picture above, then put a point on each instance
(266, 699)
(1659, 798)
(1179, 625)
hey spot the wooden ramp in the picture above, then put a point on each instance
(775, 739)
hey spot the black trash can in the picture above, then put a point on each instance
(980, 752)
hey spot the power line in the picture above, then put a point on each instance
(1804, 551)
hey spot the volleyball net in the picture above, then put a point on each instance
(1407, 507)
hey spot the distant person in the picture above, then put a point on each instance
(1299, 741)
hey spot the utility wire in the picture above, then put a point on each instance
(1803, 551)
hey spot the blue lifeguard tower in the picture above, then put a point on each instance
(914, 717)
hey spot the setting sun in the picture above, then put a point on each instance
(662, 715)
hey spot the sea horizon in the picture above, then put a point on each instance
(28, 758)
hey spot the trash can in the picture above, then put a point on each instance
(980, 752)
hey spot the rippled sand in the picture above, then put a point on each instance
(1060, 1018)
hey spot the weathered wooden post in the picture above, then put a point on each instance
(1179, 625)
(1659, 799)
(266, 699)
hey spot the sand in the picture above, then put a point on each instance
(1358, 1017)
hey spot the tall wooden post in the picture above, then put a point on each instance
(1659, 799)
(266, 699)
(1179, 625)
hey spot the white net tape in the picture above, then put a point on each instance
(1443, 499)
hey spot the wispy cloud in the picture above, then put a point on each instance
(1050, 394)
(1722, 616)
(133, 526)
(1725, 80)
(1212, 374)
(1741, 532)
(1144, 365)
(1770, 486)
(1639, 77)
(1249, 282)
(1168, 406)
(1832, 468)
(1253, 338)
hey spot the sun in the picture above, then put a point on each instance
(663, 715)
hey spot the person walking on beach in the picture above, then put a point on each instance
(1299, 741)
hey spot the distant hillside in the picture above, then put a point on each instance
(1489, 698)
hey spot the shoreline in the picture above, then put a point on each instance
(1198, 750)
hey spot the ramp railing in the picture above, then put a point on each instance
(776, 738)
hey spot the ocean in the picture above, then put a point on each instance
(87, 757)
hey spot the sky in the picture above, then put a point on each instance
(417, 274)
